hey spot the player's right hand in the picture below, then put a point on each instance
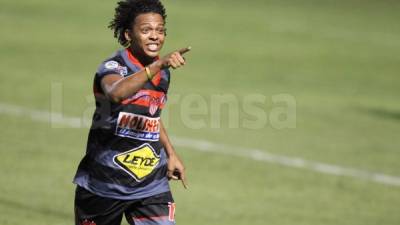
(174, 59)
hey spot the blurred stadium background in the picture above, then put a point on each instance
(340, 60)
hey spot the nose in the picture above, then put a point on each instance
(153, 35)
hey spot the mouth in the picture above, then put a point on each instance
(153, 47)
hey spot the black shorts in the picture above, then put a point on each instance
(91, 209)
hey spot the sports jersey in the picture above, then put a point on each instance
(124, 156)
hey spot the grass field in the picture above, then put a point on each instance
(339, 60)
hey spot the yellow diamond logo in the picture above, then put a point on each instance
(138, 162)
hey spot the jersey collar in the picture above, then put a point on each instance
(134, 60)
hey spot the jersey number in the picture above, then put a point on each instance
(171, 214)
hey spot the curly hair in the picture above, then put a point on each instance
(128, 10)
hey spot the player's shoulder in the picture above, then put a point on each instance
(116, 57)
(115, 63)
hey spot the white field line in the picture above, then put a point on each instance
(378, 38)
(206, 146)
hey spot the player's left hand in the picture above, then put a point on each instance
(176, 169)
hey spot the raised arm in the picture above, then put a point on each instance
(118, 88)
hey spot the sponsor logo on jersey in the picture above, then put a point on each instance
(114, 65)
(111, 65)
(122, 70)
(138, 162)
(138, 127)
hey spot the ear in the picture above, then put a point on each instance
(127, 35)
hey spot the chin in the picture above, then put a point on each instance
(152, 54)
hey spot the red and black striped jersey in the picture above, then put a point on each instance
(124, 157)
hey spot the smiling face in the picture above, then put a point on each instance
(147, 35)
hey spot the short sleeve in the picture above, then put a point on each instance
(168, 76)
(109, 67)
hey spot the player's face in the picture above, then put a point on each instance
(148, 34)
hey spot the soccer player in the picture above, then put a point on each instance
(129, 158)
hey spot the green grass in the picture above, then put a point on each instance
(339, 60)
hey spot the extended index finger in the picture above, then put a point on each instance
(184, 50)
(184, 181)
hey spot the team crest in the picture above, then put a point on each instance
(155, 103)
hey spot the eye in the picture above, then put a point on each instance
(161, 30)
(145, 30)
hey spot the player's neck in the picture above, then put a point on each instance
(142, 58)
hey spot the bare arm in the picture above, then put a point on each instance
(117, 88)
(165, 141)
(176, 169)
